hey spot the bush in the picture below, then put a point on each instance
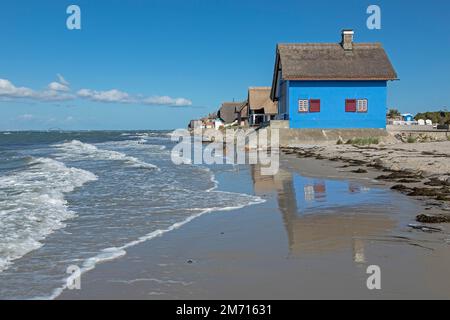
(411, 139)
(439, 117)
(392, 113)
(363, 141)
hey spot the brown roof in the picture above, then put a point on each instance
(228, 111)
(259, 98)
(243, 109)
(329, 61)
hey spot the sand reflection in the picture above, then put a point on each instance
(325, 215)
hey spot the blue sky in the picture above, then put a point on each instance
(156, 64)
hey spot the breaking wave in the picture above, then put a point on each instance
(33, 205)
(77, 150)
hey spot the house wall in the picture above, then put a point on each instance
(332, 95)
(283, 99)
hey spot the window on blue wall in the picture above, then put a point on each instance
(361, 105)
(350, 105)
(314, 105)
(311, 105)
(303, 105)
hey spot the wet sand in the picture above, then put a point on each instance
(314, 237)
(419, 170)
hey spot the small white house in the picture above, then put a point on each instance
(218, 123)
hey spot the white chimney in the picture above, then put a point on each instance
(347, 39)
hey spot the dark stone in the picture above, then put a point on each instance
(357, 162)
(427, 218)
(401, 188)
(359, 171)
(408, 181)
(399, 175)
(424, 192)
(435, 182)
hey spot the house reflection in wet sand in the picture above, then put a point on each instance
(325, 215)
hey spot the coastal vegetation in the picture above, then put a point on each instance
(393, 113)
(363, 141)
(439, 117)
(411, 139)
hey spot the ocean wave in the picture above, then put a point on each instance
(117, 252)
(139, 143)
(77, 150)
(33, 205)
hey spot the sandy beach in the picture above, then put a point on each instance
(319, 229)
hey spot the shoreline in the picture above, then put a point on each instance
(261, 252)
(111, 254)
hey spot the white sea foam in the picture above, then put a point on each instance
(33, 206)
(77, 150)
(116, 252)
(140, 143)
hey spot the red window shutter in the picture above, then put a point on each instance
(314, 105)
(350, 105)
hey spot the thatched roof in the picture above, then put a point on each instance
(243, 109)
(259, 98)
(228, 111)
(329, 61)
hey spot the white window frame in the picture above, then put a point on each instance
(362, 105)
(303, 105)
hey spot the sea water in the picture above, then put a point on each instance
(82, 198)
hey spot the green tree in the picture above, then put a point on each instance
(439, 117)
(392, 113)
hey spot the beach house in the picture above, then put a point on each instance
(332, 85)
(261, 108)
(230, 112)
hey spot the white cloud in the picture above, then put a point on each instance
(60, 85)
(62, 80)
(60, 90)
(168, 101)
(118, 96)
(56, 86)
(8, 89)
(113, 95)
(53, 95)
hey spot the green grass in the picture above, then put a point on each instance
(411, 140)
(363, 141)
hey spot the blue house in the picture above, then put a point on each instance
(332, 85)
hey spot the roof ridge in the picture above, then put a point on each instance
(324, 44)
(259, 88)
